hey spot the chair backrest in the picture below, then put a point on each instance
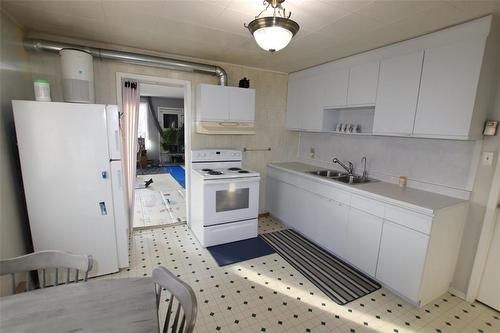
(180, 293)
(62, 263)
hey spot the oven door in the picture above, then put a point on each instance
(230, 200)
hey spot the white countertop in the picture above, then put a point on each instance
(379, 190)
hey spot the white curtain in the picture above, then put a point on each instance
(129, 122)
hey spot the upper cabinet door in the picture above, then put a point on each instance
(212, 102)
(448, 89)
(312, 112)
(397, 94)
(294, 105)
(241, 104)
(335, 84)
(363, 81)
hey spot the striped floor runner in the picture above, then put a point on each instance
(338, 280)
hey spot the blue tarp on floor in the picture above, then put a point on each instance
(178, 173)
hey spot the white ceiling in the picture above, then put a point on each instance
(213, 29)
(156, 90)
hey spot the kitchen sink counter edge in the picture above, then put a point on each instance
(423, 202)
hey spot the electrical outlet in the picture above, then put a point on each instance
(487, 158)
(312, 153)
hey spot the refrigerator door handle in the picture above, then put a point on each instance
(102, 206)
(117, 140)
(119, 176)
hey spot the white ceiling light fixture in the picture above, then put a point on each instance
(273, 33)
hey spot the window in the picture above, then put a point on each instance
(142, 125)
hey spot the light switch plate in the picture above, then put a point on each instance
(487, 158)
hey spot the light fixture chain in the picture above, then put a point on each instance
(268, 4)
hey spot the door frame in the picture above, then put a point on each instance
(188, 121)
(486, 237)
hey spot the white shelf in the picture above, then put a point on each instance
(346, 133)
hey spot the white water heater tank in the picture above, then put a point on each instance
(77, 76)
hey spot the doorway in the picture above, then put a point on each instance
(489, 288)
(161, 195)
(485, 277)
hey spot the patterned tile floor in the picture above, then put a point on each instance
(268, 295)
(151, 209)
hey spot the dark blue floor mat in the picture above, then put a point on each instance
(230, 253)
(178, 173)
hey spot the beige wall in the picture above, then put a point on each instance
(15, 84)
(271, 90)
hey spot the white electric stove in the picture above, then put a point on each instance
(224, 197)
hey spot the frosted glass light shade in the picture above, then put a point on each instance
(273, 33)
(272, 38)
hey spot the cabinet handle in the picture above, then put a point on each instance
(228, 123)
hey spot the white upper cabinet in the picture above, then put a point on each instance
(363, 81)
(220, 103)
(335, 83)
(434, 86)
(295, 103)
(304, 103)
(241, 104)
(397, 94)
(312, 115)
(448, 89)
(212, 103)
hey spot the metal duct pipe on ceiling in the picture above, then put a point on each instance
(129, 57)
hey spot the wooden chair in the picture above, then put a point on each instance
(61, 262)
(180, 293)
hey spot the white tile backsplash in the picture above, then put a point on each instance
(442, 166)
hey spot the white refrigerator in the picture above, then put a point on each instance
(73, 181)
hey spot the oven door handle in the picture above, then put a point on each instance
(232, 181)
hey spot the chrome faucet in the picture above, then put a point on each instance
(349, 168)
(365, 173)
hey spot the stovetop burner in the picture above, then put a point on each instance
(214, 172)
(234, 169)
(206, 170)
(243, 171)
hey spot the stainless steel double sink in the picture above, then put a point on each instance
(342, 177)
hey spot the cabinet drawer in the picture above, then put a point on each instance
(367, 205)
(327, 191)
(409, 219)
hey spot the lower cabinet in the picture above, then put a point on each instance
(401, 259)
(326, 223)
(333, 229)
(284, 203)
(363, 239)
(411, 253)
(318, 218)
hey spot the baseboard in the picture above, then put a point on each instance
(264, 215)
(457, 293)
